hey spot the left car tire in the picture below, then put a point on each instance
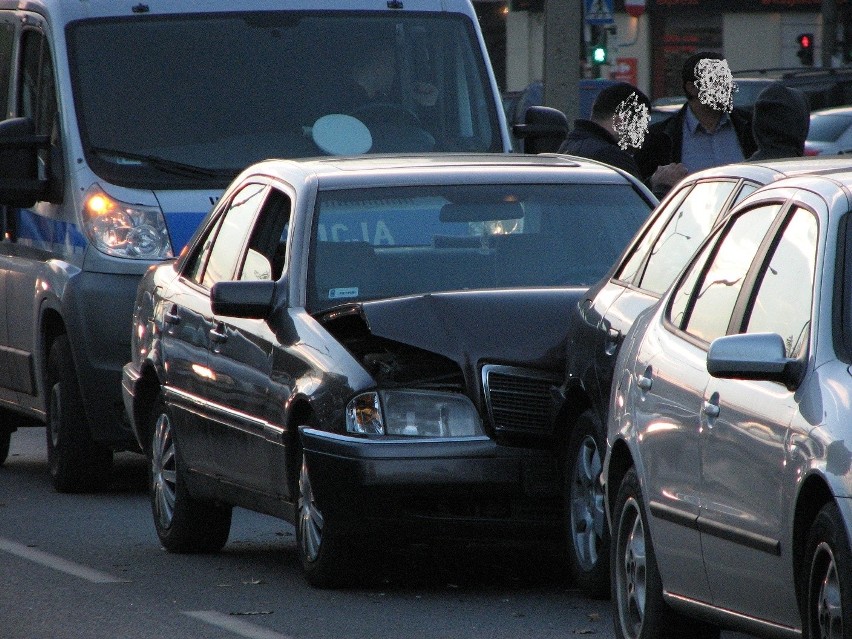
(326, 556)
(827, 577)
(183, 523)
(586, 528)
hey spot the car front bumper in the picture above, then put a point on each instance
(463, 488)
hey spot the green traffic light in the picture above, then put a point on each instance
(598, 55)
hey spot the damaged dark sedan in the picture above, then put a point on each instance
(371, 349)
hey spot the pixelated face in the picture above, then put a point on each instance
(715, 84)
(630, 121)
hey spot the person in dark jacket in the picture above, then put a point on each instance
(597, 138)
(707, 131)
(780, 123)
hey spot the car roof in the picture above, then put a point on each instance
(770, 170)
(440, 167)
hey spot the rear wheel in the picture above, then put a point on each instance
(585, 520)
(183, 523)
(325, 555)
(76, 461)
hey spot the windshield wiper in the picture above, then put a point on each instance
(161, 164)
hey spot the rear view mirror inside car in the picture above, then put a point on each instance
(481, 211)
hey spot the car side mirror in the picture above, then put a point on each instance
(20, 185)
(543, 131)
(758, 356)
(249, 299)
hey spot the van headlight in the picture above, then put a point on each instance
(125, 230)
(413, 413)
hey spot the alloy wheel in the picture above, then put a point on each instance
(631, 573)
(163, 471)
(587, 504)
(829, 609)
(310, 518)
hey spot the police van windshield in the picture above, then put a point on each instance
(216, 92)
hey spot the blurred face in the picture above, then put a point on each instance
(630, 122)
(715, 84)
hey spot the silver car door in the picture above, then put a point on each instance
(747, 488)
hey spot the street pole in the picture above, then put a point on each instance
(563, 24)
(829, 32)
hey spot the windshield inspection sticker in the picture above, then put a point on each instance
(342, 293)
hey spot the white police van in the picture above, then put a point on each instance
(124, 121)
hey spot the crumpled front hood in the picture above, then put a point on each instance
(516, 327)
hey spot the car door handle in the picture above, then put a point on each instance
(217, 335)
(171, 316)
(711, 410)
(613, 339)
(645, 381)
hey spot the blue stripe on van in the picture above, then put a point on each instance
(48, 234)
(181, 227)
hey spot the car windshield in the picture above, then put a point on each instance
(828, 128)
(388, 242)
(216, 92)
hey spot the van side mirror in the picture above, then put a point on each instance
(543, 131)
(20, 185)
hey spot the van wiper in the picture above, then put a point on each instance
(161, 164)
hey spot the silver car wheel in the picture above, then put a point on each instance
(587, 504)
(829, 613)
(164, 472)
(631, 569)
(310, 518)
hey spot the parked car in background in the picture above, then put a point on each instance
(369, 348)
(823, 87)
(728, 470)
(124, 122)
(830, 132)
(598, 324)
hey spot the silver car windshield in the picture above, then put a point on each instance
(387, 242)
(220, 91)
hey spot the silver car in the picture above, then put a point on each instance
(728, 474)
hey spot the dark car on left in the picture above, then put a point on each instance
(369, 348)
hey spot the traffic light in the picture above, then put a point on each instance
(598, 53)
(806, 49)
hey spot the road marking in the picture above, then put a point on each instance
(58, 563)
(232, 624)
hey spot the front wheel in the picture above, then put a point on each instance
(827, 577)
(585, 521)
(183, 523)
(639, 610)
(76, 461)
(325, 555)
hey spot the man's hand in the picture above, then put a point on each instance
(667, 175)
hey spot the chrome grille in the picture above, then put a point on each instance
(518, 399)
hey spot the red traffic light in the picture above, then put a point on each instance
(805, 40)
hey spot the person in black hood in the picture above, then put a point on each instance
(780, 123)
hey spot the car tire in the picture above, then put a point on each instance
(184, 524)
(325, 555)
(587, 533)
(639, 611)
(827, 577)
(5, 440)
(77, 463)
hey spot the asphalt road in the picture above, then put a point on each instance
(90, 567)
